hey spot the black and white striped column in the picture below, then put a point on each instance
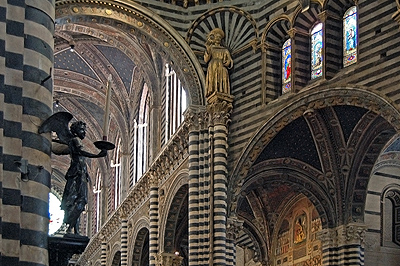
(153, 213)
(26, 55)
(204, 191)
(343, 245)
(124, 240)
(103, 254)
(191, 118)
(219, 108)
(233, 229)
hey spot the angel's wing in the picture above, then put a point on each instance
(58, 123)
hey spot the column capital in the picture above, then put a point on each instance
(194, 116)
(220, 108)
(352, 233)
(168, 259)
(233, 227)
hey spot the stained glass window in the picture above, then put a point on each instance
(286, 66)
(316, 51)
(350, 36)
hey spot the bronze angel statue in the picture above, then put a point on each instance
(69, 141)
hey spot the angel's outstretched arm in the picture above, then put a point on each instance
(76, 148)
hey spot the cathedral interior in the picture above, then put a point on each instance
(246, 132)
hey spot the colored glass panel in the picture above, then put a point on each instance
(286, 66)
(316, 51)
(350, 36)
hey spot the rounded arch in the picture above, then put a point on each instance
(305, 20)
(297, 107)
(276, 31)
(175, 235)
(291, 177)
(137, 19)
(140, 248)
(166, 199)
(137, 238)
(338, 7)
(115, 258)
(236, 41)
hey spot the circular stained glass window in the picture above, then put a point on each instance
(56, 214)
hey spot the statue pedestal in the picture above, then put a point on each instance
(61, 249)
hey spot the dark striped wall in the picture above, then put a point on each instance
(378, 49)
(26, 50)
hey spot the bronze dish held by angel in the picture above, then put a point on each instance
(69, 141)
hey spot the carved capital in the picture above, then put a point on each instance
(193, 117)
(168, 259)
(220, 108)
(353, 233)
(233, 227)
(153, 178)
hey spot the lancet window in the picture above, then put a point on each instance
(350, 34)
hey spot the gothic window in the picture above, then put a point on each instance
(316, 51)
(97, 203)
(350, 34)
(140, 139)
(116, 165)
(287, 66)
(175, 102)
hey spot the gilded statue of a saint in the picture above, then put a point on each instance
(219, 61)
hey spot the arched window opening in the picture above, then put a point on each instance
(350, 33)
(139, 142)
(175, 102)
(316, 51)
(287, 66)
(391, 218)
(97, 202)
(116, 164)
